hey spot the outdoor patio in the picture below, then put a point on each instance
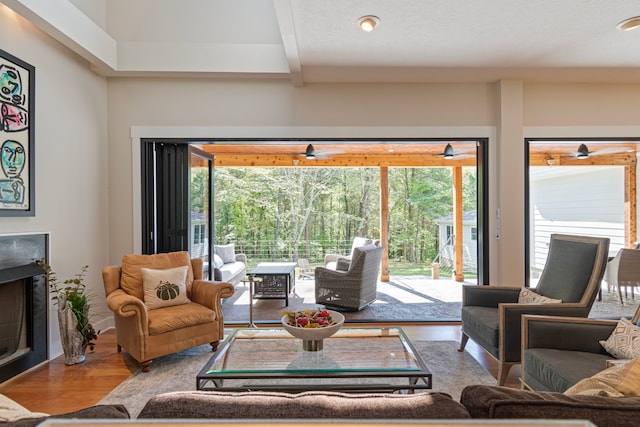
(402, 299)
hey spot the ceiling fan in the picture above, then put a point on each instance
(311, 154)
(449, 153)
(583, 151)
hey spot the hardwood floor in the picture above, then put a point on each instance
(55, 388)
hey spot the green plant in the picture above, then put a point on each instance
(74, 291)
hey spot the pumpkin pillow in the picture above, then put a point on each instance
(164, 288)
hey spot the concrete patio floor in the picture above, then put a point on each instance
(402, 299)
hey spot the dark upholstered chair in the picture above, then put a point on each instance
(355, 288)
(557, 352)
(491, 315)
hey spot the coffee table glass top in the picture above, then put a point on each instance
(267, 354)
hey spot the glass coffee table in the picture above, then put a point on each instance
(352, 360)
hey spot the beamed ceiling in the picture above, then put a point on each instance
(407, 154)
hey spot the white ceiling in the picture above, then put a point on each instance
(319, 41)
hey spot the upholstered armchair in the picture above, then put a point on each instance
(624, 271)
(161, 305)
(491, 315)
(354, 288)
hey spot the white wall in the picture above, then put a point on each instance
(71, 159)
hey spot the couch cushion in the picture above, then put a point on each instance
(558, 370)
(163, 288)
(312, 404)
(231, 270)
(226, 252)
(617, 381)
(482, 324)
(92, 412)
(131, 279)
(624, 341)
(502, 402)
(179, 316)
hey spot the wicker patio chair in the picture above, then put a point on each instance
(623, 271)
(354, 288)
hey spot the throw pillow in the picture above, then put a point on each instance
(164, 288)
(624, 341)
(226, 252)
(217, 261)
(617, 381)
(11, 411)
(527, 296)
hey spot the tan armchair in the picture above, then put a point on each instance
(149, 333)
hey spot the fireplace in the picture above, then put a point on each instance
(25, 305)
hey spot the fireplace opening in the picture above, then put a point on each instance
(25, 304)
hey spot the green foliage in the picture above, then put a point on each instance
(74, 291)
(286, 213)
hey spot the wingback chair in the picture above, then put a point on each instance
(491, 315)
(147, 333)
(354, 288)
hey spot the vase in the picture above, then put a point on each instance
(72, 340)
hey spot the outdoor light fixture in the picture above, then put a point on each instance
(448, 152)
(368, 23)
(629, 24)
(583, 152)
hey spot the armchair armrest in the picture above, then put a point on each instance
(489, 296)
(343, 263)
(510, 316)
(241, 258)
(210, 294)
(565, 333)
(124, 305)
(331, 258)
(321, 273)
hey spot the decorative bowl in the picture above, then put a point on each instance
(312, 337)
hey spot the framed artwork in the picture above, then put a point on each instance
(17, 93)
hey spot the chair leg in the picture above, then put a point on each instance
(503, 372)
(214, 345)
(119, 348)
(620, 293)
(146, 365)
(463, 341)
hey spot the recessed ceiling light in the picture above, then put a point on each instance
(629, 24)
(368, 22)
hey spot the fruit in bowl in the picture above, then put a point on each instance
(312, 324)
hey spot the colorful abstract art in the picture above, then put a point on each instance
(17, 81)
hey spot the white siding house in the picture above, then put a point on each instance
(585, 200)
(469, 240)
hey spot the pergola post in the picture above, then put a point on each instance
(384, 222)
(630, 206)
(458, 272)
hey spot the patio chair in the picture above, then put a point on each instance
(491, 315)
(355, 288)
(305, 269)
(331, 260)
(623, 271)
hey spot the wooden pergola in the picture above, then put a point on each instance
(428, 154)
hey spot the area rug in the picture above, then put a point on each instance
(451, 370)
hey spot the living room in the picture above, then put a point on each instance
(96, 98)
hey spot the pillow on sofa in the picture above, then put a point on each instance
(164, 288)
(484, 401)
(527, 296)
(11, 410)
(217, 261)
(226, 252)
(617, 381)
(624, 341)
